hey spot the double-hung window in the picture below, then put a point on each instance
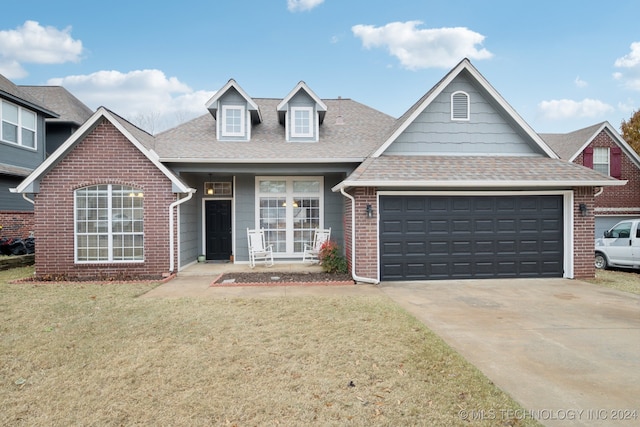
(109, 224)
(289, 209)
(18, 125)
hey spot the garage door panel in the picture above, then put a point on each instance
(471, 237)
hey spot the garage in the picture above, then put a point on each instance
(425, 237)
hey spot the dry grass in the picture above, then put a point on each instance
(622, 280)
(90, 354)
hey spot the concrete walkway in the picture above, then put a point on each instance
(566, 350)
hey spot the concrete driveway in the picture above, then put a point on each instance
(566, 350)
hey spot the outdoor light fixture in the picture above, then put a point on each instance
(583, 209)
(369, 210)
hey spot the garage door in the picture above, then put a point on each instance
(438, 237)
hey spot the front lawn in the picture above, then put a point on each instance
(95, 354)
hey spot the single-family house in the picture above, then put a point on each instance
(602, 148)
(460, 186)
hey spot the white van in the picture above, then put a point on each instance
(620, 246)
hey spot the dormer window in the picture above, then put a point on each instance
(233, 120)
(460, 106)
(302, 122)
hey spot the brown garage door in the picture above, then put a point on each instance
(465, 237)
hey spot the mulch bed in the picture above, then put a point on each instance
(282, 279)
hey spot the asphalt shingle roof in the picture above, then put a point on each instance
(60, 100)
(362, 131)
(566, 145)
(23, 97)
(469, 171)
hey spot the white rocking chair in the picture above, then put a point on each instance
(258, 249)
(319, 237)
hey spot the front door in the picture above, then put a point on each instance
(218, 229)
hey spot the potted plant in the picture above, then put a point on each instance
(202, 258)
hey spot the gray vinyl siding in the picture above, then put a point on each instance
(233, 98)
(302, 99)
(189, 226)
(334, 210)
(25, 157)
(489, 129)
(245, 211)
(10, 201)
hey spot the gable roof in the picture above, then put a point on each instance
(140, 139)
(212, 104)
(350, 140)
(302, 86)
(570, 145)
(60, 100)
(13, 93)
(465, 65)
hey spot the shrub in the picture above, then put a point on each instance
(331, 259)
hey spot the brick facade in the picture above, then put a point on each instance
(16, 224)
(104, 156)
(618, 197)
(366, 241)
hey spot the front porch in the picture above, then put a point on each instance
(214, 269)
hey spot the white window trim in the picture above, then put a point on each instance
(292, 125)
(290, 195)
(20, 127)
(468, 114)
(243, 119)
(109, 233)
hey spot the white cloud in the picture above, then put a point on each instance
(302, 5)
(139, 94)
(423, 48)
(580, 83)
(33, 43)
(560, 109)
(630, 65)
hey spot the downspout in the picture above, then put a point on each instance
(24, 196)
(353, 241)
(599, 192)
(171, 238)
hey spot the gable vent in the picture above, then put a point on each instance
(459, 106)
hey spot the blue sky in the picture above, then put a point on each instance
(562, 65)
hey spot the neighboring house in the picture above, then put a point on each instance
(458, 187)
(22, 149)
(56, 114)
(602, 148)
(72, 113)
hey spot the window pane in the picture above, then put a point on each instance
(306, 186)
(273, 186)
(9, 132)
(301, 122)
(9, 113)
(28, 120)
(28, 138)
(233, 120)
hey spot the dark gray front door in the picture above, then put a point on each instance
(463, 237)
(218, 229)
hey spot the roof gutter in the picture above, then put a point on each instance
(171, 238)
(353, 241)
(469, 184)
